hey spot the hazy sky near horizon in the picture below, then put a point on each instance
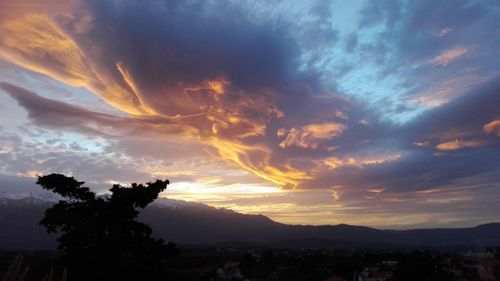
(380, 113)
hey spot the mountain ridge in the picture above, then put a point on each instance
(199, 224)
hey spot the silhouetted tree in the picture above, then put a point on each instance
(100, 238)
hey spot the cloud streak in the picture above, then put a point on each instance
(220, 82)
(225, 93)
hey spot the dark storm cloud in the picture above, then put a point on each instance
(169, 42)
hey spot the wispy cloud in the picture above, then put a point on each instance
(459, 144)
(311, 135)
(449, 56)
(222, 94)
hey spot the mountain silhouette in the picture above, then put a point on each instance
(194, 224)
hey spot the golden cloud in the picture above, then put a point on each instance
(311, 135)
(359, 162)
(37, 41)
(459, 144)
(231, 121)
(493, 127)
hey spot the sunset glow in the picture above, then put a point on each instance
(309, 112)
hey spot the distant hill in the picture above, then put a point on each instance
(195, 223)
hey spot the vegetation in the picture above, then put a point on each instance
(101, 239)
(17, 271)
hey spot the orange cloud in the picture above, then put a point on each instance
(493, 127)
(375, 190)
(218, 85)
(244, 155)
(459, 144)
(201, 106)
(310, 136)
(37, 42)
(359, 162)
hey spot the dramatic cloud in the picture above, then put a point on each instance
(311, 135)
(240, 77)
(394, 108)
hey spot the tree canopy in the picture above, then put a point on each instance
(101, 239)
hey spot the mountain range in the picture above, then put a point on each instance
(190, 223)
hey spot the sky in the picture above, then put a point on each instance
(376, 113)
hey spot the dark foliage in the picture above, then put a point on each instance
(101, 239)
(248, 265)
(267, 262)
(421, 266)
(496, 270)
